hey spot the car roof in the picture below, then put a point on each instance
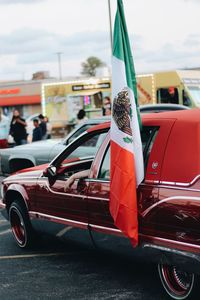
(99, 127)
(191, 115)
(149, 108)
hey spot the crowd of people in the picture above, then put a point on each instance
(42, 129)
(16, 128)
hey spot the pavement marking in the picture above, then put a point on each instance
(63, 231)
(5, 231)
(40, 255)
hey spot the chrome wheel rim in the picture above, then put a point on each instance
(18, 227)
(177, 283)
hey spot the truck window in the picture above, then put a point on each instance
(148, 136)
(195, 93)
(168, 95)
(186, 99)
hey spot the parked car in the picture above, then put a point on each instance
(37, 153)
(35, 200)
(25, 156)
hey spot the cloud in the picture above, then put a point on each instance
(34, 46)
(35, 49)
(170, 56)
(192, 40)
(7, 2)
(197, 1)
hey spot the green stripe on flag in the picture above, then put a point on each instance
(122, 50)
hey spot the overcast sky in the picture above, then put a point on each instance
(164, 35)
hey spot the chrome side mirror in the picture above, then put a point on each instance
(50, 171)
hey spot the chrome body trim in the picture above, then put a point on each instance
(173, 183)
(98, 180)
(13, 180)
(106, 228)
(144, 213)
(173, 251)
(172, 242)
(38, 215)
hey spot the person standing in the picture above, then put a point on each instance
(49, 127)
(81, 117)
(4, 130)
(37, 132)
(106, 109)
(18, 129)
(43, 126)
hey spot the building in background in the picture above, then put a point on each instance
(24, 96)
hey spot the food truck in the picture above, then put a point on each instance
(176, 87)
(61, 101)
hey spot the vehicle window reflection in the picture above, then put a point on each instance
(87, 148)
(104, 172)
(148, 136)
(78, 132)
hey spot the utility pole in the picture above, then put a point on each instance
(110, 24)
(59, 65)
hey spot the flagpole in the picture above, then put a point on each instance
(110, 24)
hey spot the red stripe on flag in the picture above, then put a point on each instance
(123, 198)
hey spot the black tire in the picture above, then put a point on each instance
(178, 284)
(20, 225)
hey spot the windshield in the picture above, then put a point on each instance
(195, 93)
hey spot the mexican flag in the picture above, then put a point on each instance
(127, 168)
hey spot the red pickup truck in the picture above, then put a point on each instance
(36, 200)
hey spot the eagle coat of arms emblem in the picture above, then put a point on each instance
(122, 112)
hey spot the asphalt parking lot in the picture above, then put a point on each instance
(58, 270)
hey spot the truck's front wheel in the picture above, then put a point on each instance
(178, 284)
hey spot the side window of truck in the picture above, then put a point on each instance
(148, 136)
(168, 95)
